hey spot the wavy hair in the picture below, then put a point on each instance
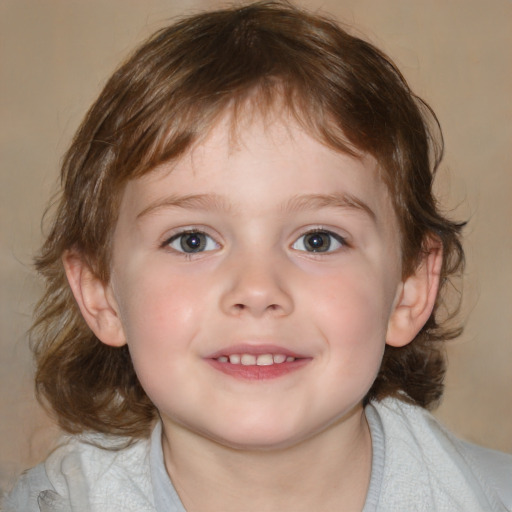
(162, 100)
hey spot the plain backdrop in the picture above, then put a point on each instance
(56, 54)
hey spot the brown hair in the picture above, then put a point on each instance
(170, 93)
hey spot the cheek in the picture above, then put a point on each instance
(352, 313)
(160, 310)
(161, 315)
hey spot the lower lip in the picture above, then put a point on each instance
(254, 372)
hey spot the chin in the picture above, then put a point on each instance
(261, 436)
(257, 442)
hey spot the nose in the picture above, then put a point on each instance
(256, 286)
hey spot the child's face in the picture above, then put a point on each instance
(266, 247)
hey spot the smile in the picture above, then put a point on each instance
(256, 360)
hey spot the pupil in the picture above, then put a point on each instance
(318, 242)
(193, 242)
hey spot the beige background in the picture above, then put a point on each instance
(56, 54)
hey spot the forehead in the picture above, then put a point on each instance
(267, 157)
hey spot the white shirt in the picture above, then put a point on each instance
(417, 466)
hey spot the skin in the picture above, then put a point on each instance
(298, 440)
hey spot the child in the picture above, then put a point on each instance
(244, 277)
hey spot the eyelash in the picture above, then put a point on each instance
(340, 240)
(206, 243)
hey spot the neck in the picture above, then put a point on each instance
(329, 471)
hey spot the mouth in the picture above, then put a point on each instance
(257, 362)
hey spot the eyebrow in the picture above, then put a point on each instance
(192, 201)
(338, 200)
(297, 203)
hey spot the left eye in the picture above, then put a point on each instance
(319, 241)
(192, 242)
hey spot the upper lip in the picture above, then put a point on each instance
(255, 349)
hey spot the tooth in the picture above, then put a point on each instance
(289, 359)
(265, 360)
(234, 359)
(222, 359)
(248, 359)
(279, 358)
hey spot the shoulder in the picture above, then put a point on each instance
(493, 466)
(456, 471)
(85, 471)
(25, 494)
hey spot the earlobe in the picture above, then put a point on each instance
(95, 300)
(416, 298)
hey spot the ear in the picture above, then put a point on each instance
(95, 300)
(416, 298)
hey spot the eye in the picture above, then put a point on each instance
(191, 242)
(319, 241)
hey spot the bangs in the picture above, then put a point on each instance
(176, 132)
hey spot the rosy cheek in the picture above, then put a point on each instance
(164, 305)
(351, 302)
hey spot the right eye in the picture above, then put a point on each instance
(191, 242)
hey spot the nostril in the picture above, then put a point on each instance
(241, 307)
